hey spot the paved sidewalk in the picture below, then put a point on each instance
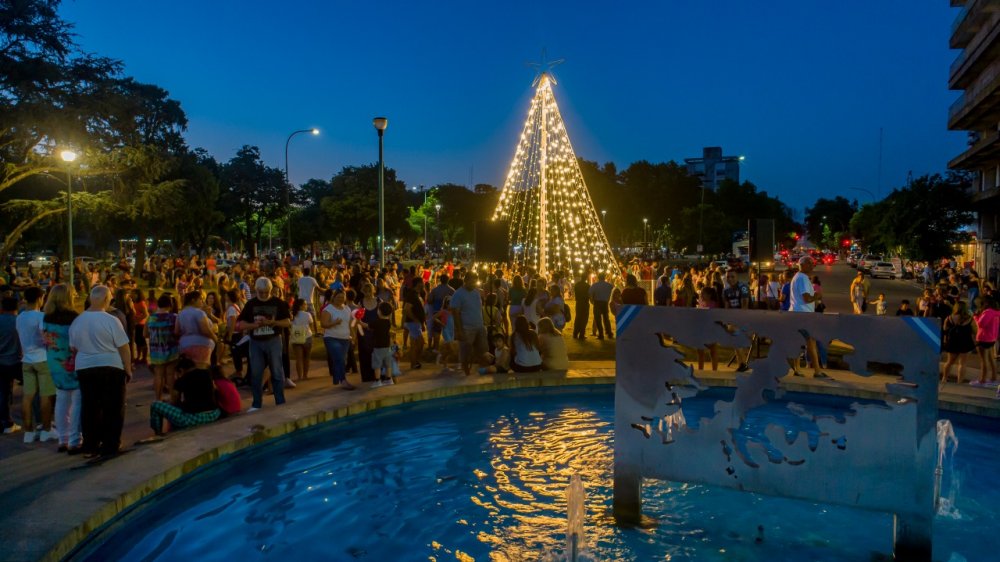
(51, 500)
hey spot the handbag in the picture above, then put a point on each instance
(299, 335)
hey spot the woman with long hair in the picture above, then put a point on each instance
(524, 343)
(59, 314)
(301, 338)
(552, 346)
(958, 340)
(517, 294)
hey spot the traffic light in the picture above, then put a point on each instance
(846, 243)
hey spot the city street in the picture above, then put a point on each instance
(836, 280)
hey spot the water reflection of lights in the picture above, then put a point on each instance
(523, 493)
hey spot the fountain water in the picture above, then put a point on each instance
(576, 512)
(945, 506)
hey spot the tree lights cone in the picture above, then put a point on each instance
(553, 223)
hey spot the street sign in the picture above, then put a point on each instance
(700, 248)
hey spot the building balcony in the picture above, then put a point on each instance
(979, 103)
(980, 49)
(986, 200)
(986, 151)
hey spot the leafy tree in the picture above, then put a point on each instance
(308, 220)
(193, 212)
(922, 221)
(834, 214)
(253, 194)
(29, 213)
(424, 217)
(461, 209)
(351, 209)
(48, 88)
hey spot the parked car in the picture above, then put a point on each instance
(722, 264)
(867, 261)
(45, 259)
(883, 269)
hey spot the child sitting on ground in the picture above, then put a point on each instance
(383, 362)
(500, 358)
(904, 308)
(448, 347)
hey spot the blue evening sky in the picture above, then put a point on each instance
(800, 88)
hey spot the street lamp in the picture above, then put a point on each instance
(870, 194)
(69, 156)
(380, 124)
(424, 191)
(604, 217)
(288, 185)
(645, 224)
(438, 220)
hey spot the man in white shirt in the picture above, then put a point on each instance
(308, 288)
(802, 298)
(37, 379)
(103, 366)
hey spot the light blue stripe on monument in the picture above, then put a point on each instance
(625, 316)
(927, 330)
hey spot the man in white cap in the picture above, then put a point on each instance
(802, 298)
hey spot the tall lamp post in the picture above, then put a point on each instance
(288, 185)
(645, 225)
(69, 156)
(437, 222)
(424, 191)
(380, 124)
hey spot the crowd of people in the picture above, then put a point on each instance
(194, 318)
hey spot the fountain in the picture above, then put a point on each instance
(945, 506)
(576, 512)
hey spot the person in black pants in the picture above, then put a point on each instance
(581, 292)
(600, 295)
(103, 366)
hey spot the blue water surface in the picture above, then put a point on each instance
(484, 478)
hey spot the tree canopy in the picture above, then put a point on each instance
(922, 221)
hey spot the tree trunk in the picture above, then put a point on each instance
(140, 251)
(11, 239)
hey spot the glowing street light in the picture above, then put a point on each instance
(380, 123)
(68, 156)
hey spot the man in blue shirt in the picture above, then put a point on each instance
(470, 330)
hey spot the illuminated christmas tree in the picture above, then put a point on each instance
(553, 223)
